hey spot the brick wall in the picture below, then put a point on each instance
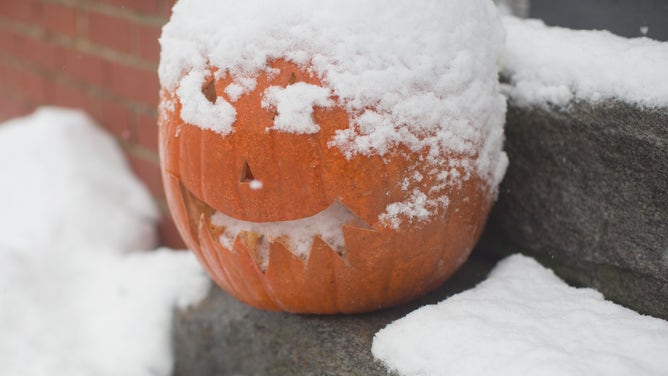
(98, 55)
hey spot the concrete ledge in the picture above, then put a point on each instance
(587, 193)
(222, 336)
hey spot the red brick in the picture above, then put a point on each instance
(166, 8)
(26, 11)
(33, 85)
(168, 234)
(9, 78)
(38, 52)
(93, 107)
(149, 173)
(110, 31)
(147, 131)
(137, 84)
(114, 117)
(7, 41)
(11, 106)
(86, 67)
(147, 37)
(61, 94)
(61, 19)
(141, 6)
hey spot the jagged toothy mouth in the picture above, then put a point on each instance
(295, 235)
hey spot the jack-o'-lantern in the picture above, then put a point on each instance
(288, 221)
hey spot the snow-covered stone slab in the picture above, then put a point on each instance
(586, 190)
(556, 65)
(523, 320)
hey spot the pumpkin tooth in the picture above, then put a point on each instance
(210, 252)
(336, 241)
(258, 247)
(338, 248)
(252, 239)
(195, 207)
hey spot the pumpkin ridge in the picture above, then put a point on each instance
(230, 261)
(208, 250)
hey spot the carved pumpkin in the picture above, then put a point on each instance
(226, 192)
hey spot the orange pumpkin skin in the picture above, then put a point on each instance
(381, 266)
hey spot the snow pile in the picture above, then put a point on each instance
(523, 320)
(423, 76)
(89, 311)
(75, 299)
(557, 65)
(66, 183)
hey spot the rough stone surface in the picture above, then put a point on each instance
(222, 336)
(587, 193)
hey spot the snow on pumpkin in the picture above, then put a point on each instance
(375, 130)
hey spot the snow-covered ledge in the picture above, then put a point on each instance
(587, 136)
(557, 66)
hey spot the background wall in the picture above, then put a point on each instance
(628, 18)
(98, 55)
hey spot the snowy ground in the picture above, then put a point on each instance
(77, 294)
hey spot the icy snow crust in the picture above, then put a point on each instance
(556, 65)
(523, 320)
(422, 74)
(77, 298)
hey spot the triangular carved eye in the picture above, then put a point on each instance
(292, 78)
(246, 173)
(209, 91)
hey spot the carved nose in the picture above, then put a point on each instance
(246, 173)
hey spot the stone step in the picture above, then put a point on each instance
(222, 336)
(586, 193)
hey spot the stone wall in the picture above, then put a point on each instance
(587, 193)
